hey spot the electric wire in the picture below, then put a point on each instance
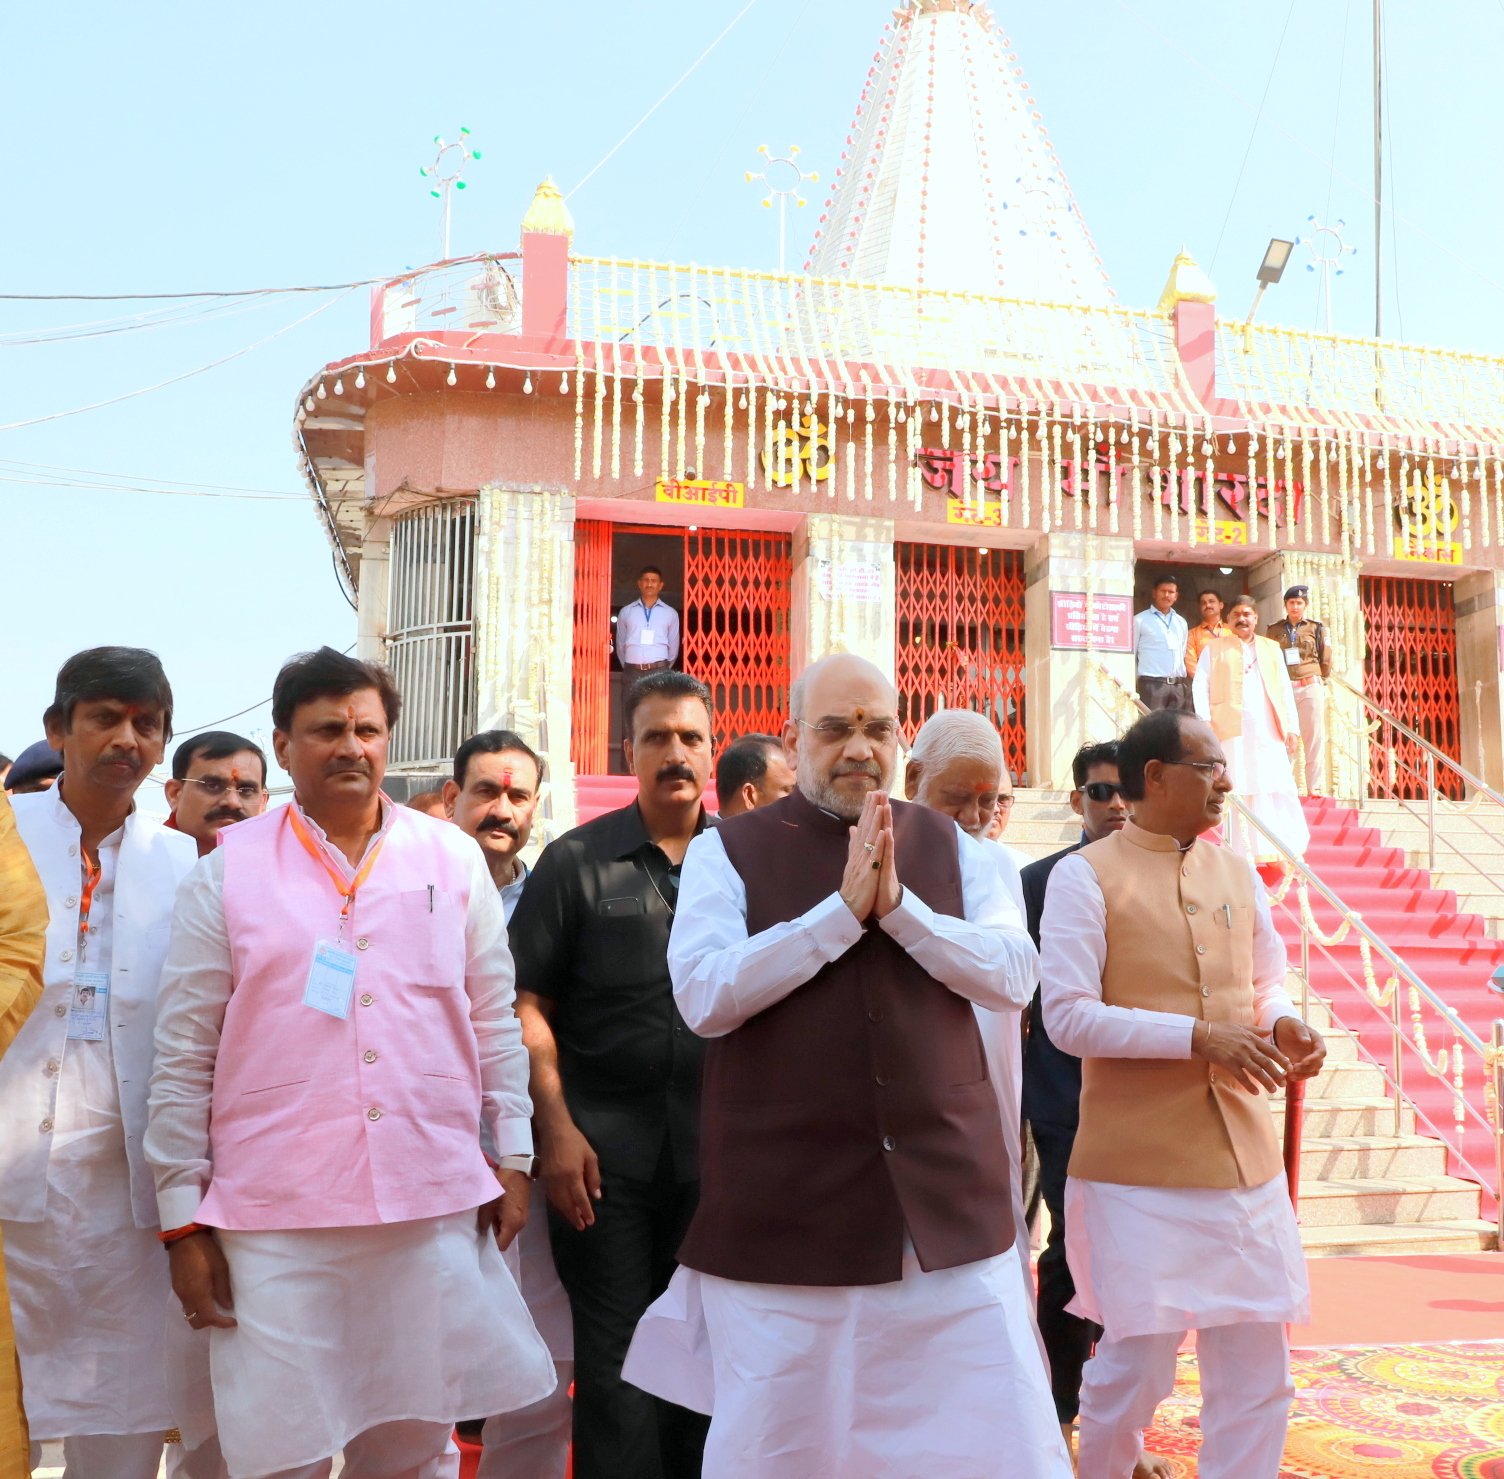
(1297, 143)
(1253, 132)
(115, 400)
(682, 78)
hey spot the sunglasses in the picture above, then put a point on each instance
(1100, 791)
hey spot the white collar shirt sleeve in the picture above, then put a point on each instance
(1159, 643)
(647, 634)
(722, 976)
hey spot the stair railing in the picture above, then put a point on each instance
(1425, 775)
(1447, 1063)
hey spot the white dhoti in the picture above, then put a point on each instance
(533, 1442)
(1151, 1264)
(936, 1374)
(88, 1288)
(341, 1330)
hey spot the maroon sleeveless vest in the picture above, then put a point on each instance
(860, 1104)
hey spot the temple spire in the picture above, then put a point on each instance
(949, 180)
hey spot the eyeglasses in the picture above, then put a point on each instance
(1100, 791)
(212, 786)
(1004, 802)
(1213, 770)
(833, 732)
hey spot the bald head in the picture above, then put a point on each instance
(956, 766)
(843, 732)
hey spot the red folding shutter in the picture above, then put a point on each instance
(1410, 669)
(590, 709)
(960, 629)
(736, 626)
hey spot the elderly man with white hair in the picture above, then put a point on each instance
(956, 767)
(848, 1299)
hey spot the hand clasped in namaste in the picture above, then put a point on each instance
(870, 886)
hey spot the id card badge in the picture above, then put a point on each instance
(331, 980)
(89, 1011)
(1293, 658)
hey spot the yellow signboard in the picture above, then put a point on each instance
(1220, 531)
(701, 493)
(1428, 551)
(988, 514)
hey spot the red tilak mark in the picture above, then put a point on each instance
(506, 780)
(234, 776)
(350, 712)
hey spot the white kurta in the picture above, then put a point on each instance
(938, 1372)
(1258, 762)
(1153, 1259)
(88, 1287)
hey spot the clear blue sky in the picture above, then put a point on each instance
(166, 147)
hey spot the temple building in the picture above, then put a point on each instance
(944, 444)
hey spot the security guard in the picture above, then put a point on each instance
(1308, 656)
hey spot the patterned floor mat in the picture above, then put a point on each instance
(1406, 1412)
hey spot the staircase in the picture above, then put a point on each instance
(1466, 835)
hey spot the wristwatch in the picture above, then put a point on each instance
(526, 1163)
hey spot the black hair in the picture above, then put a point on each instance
(130, 674)
(1089, 756)
(666, 683)
(1157, 736)
(217, 744)
(5, 760)
(1166, 579)
(493, 742)
(330, 674)
(744, 761)
(650, 570)
(1201, 595)
(1243, 601)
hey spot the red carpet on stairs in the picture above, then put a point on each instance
(1450, 952)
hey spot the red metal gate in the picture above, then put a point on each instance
(1410, 670)
(736, 626)
(590, 709)
(960, 634)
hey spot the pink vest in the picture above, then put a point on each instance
(323, 1122)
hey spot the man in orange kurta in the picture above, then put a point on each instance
(23, 931)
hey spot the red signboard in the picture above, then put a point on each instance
(1111, 622)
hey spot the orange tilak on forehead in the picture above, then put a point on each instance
(234, 775)
(861, 714)
(350, 712)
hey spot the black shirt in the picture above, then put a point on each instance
(1052, 1077)
(590, 933)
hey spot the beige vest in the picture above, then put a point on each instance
(1179, 939)
(1225, 685)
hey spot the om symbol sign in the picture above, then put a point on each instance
(797, 452)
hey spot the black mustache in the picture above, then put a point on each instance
(224, 814)
(339, 767)
(676, 773)
(507, 829)
(121, 757)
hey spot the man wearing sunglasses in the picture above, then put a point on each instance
(218, 779)
(1162, 970)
